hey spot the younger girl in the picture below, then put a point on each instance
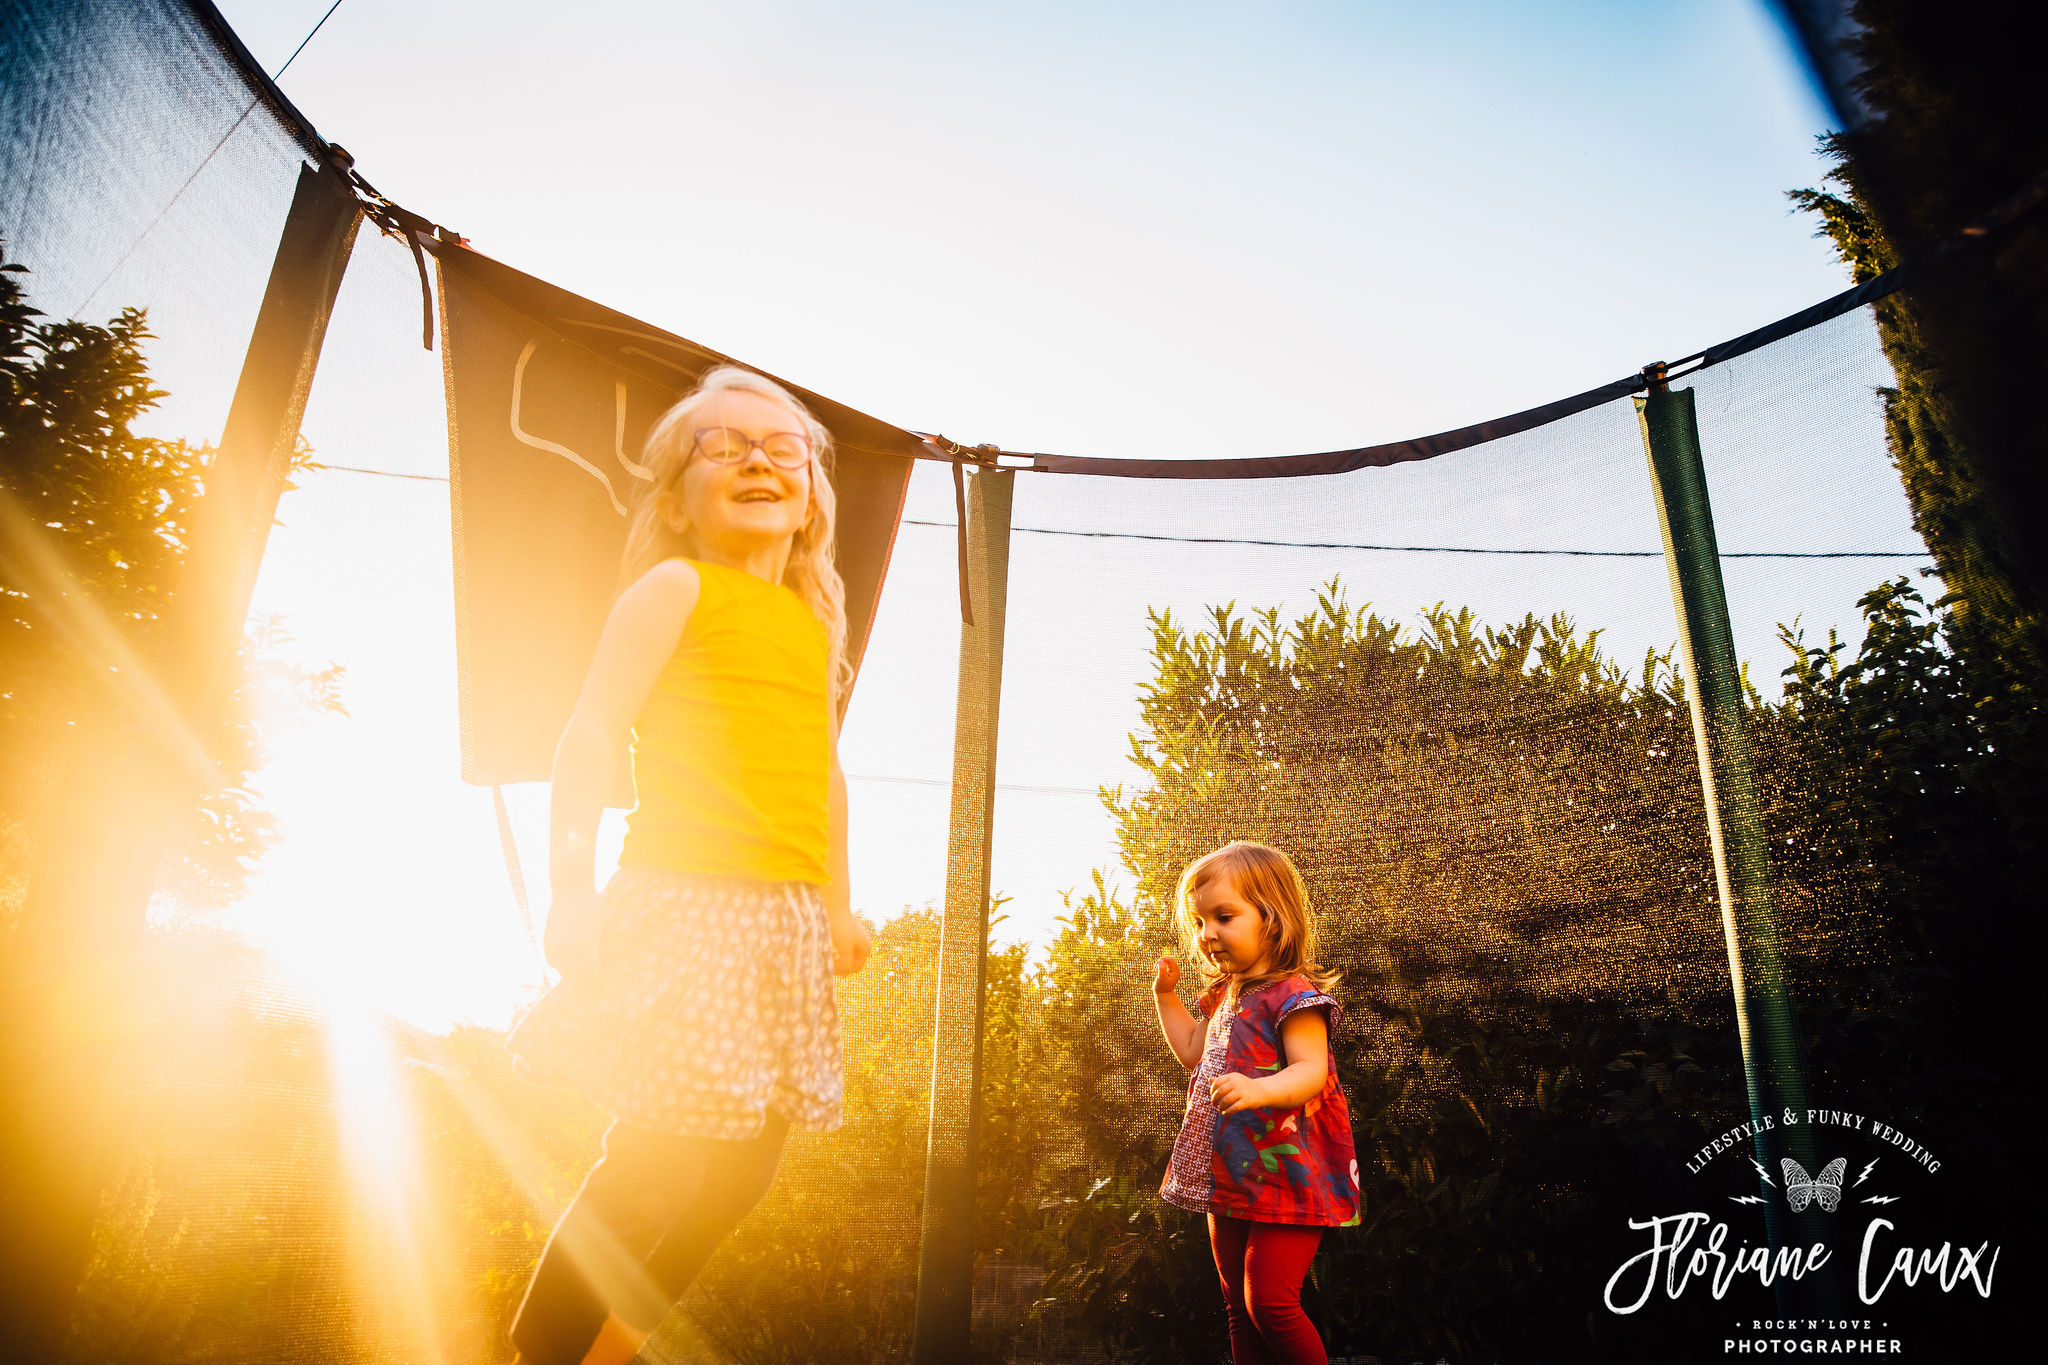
(696, 1000)
(1265, 1148)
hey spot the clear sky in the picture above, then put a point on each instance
(1107, 229)
(1053, 225)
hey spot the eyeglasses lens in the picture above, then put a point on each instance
(722, 445)
(787, 449)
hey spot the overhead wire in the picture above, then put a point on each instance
(204, 162)
(1438, 549)
(1314, 544)
(279, 73)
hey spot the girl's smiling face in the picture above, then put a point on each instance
(739, 508)
(1231, 930)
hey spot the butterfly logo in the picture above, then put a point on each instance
(1825, 1188)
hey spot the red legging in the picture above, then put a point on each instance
(1262, 1265)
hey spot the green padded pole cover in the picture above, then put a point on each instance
(1736, 833)
(945, 1257)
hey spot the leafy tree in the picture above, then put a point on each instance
(826, 1268)
(1932, 733)
(94, 523)
(97, 520)
(1505, 839)
(1525, 1064)
(1954, 130)
(224, 1235)
(1918, 771)
(1503, 834)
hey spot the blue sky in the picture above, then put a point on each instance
(986, 217)
(1132, 230)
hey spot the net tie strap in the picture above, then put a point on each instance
(409, 227)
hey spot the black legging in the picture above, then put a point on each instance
(648, 1217)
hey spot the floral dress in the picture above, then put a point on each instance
(1263, 1165)
(712, 1005)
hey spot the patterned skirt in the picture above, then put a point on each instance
(713, 1004)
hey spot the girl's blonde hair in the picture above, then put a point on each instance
(660, 528)
(1268, 880)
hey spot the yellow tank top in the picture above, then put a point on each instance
(731, 750)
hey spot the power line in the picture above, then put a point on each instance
(164, 212)
(384, 473)
(1322, 544)
(947, 782)
(303, 41)
(206, 161)
(1438, 549)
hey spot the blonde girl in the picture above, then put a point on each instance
(1265, 1146)
(696, 1001)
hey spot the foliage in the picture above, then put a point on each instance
(1513, 1103)
(1955, 501)
(1954, 132)
(826, 1268)
(1520, 803)
(315, 1187)
(1502, 833)
(1920, 761)
(1921, 768)
(224, 1235)
(98, 520)
(1504, 837)
(1926, 750)
(1136, 1274)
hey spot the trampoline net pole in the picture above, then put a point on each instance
(262, 432)
(1736, 834)
(945, 1263)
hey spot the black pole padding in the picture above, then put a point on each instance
(262, 433)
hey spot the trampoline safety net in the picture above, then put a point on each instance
(1452, 689)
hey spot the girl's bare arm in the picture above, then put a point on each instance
(639, 637)
(1305, 1043)
(1183, 1031)
(1305, 1046)
(838, 895)
(851, 942)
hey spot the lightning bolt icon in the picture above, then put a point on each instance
(1750, 1199)
(1866, 1172)
(1762, 1172)
(1882, 1199)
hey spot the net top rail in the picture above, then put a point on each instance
(260, 84)
(2006, 214)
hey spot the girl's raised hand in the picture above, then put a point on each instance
(1165, 976)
